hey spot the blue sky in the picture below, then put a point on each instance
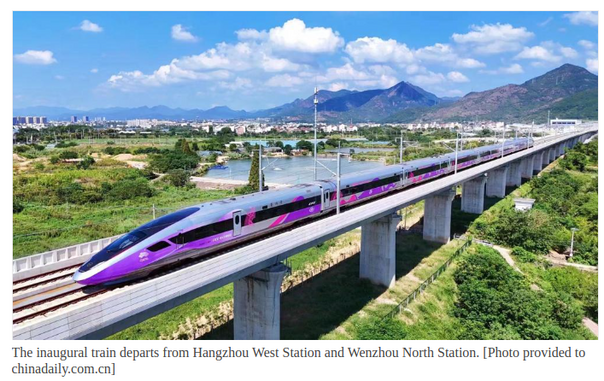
(86, 60)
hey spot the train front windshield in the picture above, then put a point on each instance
(135, 236)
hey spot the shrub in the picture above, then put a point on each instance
(65, 144)
(148, 174)
(523, 255)
(39, 167)
(86, 162)
(17, 206)
(110, 143)
(115, 150)
(165, 162)
(127, 189)
(146, 150)
(68, 155)
(54, 159)
(178, 177)
(380, 329)
(75, 193)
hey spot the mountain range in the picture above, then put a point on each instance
(567, 91)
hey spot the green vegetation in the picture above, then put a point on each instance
(253, 181)
(564, 199)
(57, 203)
(496, 303)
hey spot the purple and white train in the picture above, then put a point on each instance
(203, 229)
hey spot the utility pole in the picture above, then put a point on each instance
(260, 167)
(547, 118)
(338, 175)
(316, 101)
(456, 148)
(572, 241)
(503, 142)
(401, 149)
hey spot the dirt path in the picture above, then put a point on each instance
(562, 262)
(505, 253)
(591, 325)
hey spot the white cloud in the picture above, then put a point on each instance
(455, 76)
(295, 36)
(374, 49)
(94, 70)
(547, 21)
(284, 80)
(568, 52)
(36, 57)
(512, 69)
(59, 77)
(430, 78)
(238, 84)
(167, 74)
(180, 33)
(444, 53)
(337, 86)
(539, 53)
(592, 64)
(89, 26)
(588, 45)
(469, 63)
(251, 34)
(273, 64)
(587, 18)
(494, 38)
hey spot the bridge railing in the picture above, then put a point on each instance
(57, 259)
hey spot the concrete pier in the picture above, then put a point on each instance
(544, 158)
(513, 178)
(472, 195)
(378, 250)
(257, 306)
(526, 167)
(437, 216)
(560, 148)
(552, 154)
(496, 180)
(536, 163)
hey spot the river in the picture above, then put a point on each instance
(291, 170)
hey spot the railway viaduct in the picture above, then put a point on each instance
(256, 269)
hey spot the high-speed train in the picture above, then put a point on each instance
(205, 228)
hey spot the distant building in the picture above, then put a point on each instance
(43, 120)
(85, 119)
(523, 204)
(15, 120)
(74, 119)
(29, 120)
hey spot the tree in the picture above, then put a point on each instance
(253, 179)
(178, 177)
(279, 144)
(304, 144)
(287, 149)
(232, 147)
(86, 162)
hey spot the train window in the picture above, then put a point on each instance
(237, 220)
(158, 246)
(203, 232)
(369, 185)
(422, 171)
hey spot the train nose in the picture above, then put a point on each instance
(79, 277)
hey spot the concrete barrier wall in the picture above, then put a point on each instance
(56, 259)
